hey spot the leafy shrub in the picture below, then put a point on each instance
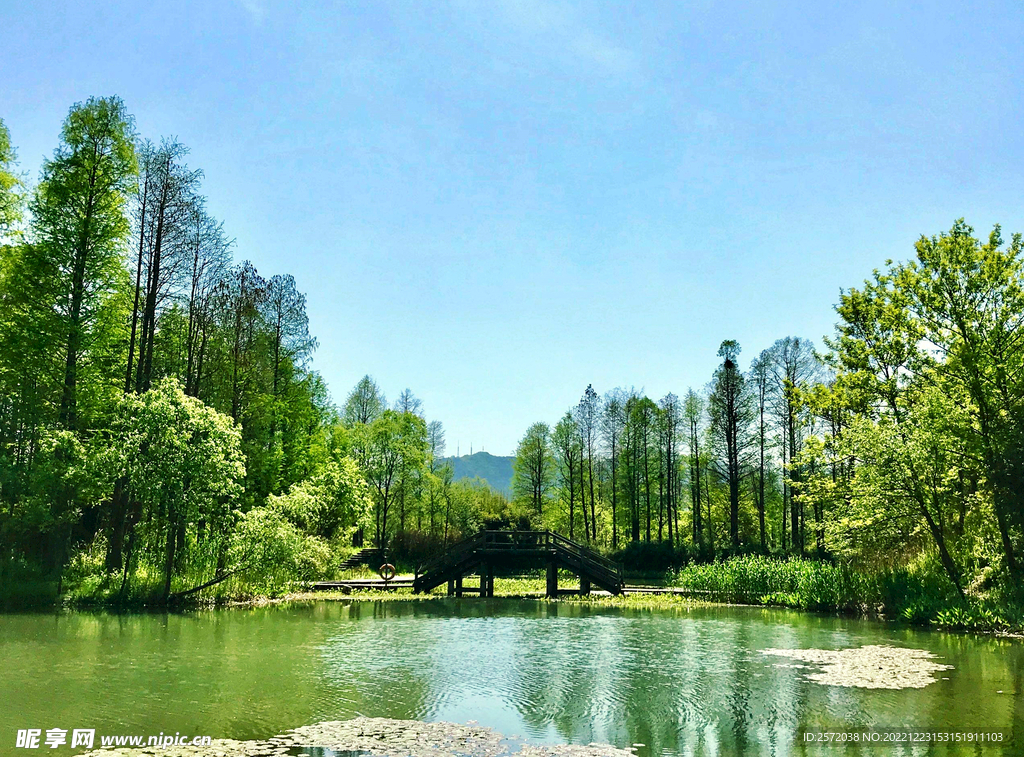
(413, 548)
(913, 591)
(955, 617)
(332, 503)
(315, 560)
(919, 613)
(24, 585)
(270, 550)
(651, 557)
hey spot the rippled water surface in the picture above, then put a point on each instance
(678, 682)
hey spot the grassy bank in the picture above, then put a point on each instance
(917, 593)
(509, 588)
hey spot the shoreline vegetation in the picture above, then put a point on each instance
(749, 582)
(165, 440)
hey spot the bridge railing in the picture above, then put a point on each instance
(512, 541)
(453, 555)
(516, 540)
(587, 555)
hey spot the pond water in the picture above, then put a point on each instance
(679, 682)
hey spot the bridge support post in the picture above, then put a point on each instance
(584, 585)
(552, 579)
(458, 586)
(451, 588)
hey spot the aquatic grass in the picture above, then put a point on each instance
(638, 601)
(801, 583)
(507, 588)
(916, 593)
(792, 582)
(980, 617)
(361, 595)
(504, 586)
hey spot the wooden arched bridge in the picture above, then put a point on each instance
(488, 551)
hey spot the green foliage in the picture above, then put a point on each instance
(463, 505)
(780, 599)
(652, 556)
(915, 593)
(330, 504)
(117, 483)
(63, 479)
(533, 468)
(11, 195)
(24, 584)
(365, 403)
(273, 554)
(179, 465)
(174, 448)
(979, 617)
(63, 290)
(757, 579)
(924, 456)
(388, 449)
(493, 509)
(151, 392)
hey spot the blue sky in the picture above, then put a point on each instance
(496, 204)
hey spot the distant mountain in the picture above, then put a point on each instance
(496, 471)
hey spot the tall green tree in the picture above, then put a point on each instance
(74, 270)
(730, 410)
(668, 432)
(566, 442)
(533, 468)
(588, 414)
(760, 379)
(875, 351)
(969, 299)
(694, 411)
(794, 367)
(613, 426)
(637, 450)
(365, 402)
(168, 203)
(11, 186)
(391, 443)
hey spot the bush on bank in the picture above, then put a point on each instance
(917, 593)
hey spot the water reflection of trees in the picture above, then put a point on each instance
(152, 672)
(673, 683)
(686, 683)
(697, 683)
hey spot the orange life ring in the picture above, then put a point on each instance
(386, 571)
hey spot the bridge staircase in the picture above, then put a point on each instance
(369, 556)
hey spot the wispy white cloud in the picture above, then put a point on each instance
(599, 51)
(566, 31)
(256, 9)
